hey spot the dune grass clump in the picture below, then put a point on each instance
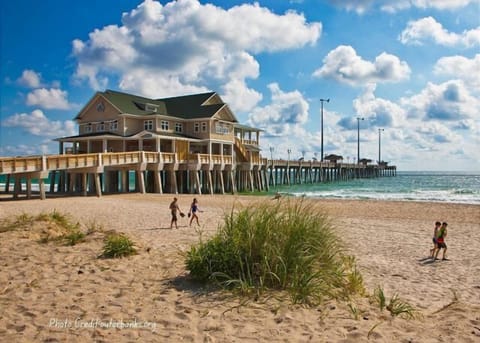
(118, 245)
(396, 306)
(286, 246)
(53, 226)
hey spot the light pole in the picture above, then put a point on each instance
(380, 145)
(358, 138)
(272, 149)
(289, 151)
(321, 128)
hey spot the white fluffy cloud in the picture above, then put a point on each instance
(428, 28)
(449, 101)
(184, 46)
(361, 6)
(52, 98)
(30, 79)
(36, 123)
(460, 67)
(344, 65)
(287, 111)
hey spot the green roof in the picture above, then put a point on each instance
(184, 107)
(132, 104)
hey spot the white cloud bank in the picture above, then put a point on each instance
(344, 65)
(392, 6)
(52, 98)
(185, 46)
(428, 28)
(37, 124)
(30, 79)
(287, 111)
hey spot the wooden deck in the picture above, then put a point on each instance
(159, 171)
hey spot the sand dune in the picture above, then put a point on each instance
(55, 293)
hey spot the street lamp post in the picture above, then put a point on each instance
(271, 153)
(289, 151)
(321, 128)
(358, 138)
(380, 145)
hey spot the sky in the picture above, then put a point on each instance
(409, 68)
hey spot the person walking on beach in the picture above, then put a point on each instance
(435, 234)
(193, 211)
(174, 209)
(442, 234)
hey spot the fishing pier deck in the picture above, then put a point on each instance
(159, 172)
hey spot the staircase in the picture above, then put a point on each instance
(241, 151)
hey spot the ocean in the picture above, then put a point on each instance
(451, 187)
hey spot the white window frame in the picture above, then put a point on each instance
(114, 125)
(164, 125)
(196, 127)
(204, 126)
(178, 127)
(88, 128)
(148, 125)
(101, 127)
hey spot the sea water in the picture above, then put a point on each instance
(451, 187)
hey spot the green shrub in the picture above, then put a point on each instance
(118, 245)
(287, 246)
(74, 237)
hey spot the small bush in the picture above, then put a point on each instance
(118, 245)
(74, 237)
(287, 246)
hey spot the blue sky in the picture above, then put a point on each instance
(410, 67)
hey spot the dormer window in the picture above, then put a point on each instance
(151, 107)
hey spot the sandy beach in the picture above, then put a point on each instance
(56, 293)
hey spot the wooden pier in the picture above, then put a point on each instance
(159, 172)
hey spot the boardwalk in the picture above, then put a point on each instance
(160, 172)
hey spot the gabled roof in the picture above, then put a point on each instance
(133, 104)
(194, 106)
(203, 105)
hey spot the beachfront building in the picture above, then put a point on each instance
(187, 144)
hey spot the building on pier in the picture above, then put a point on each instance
(185, 144)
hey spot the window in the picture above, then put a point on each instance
(101, 126)
(178, 127)
(164, 125)
(221, 129)
(148, 124)
(151, 107)
(88, 128)
(196, 127)
(114, 125)
(204, 127)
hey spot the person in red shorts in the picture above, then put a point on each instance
(442, 234)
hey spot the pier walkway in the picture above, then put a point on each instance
(160, 172)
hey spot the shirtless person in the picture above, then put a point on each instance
(435, 234)
(174, 209)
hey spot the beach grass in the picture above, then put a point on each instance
(287, 245)
(118, 245)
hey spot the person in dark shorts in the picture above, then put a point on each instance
(174, 209)
(434, 239)
(441, 235)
